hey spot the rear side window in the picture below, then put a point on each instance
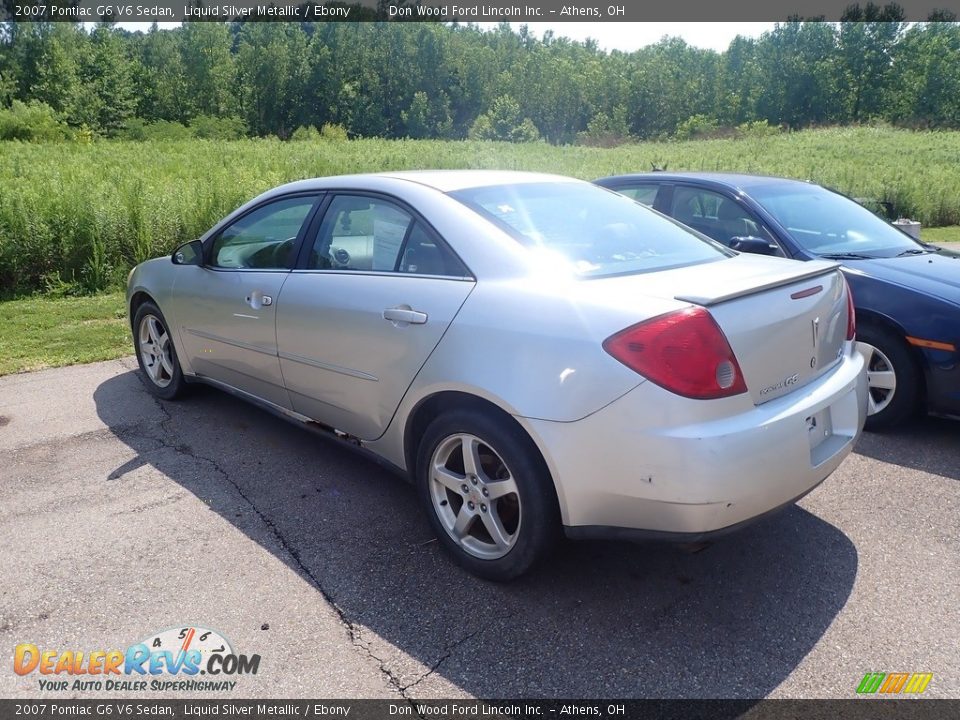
(644, 194)
(376, 235)
(715, 215)
(597, 232)
(425, 254)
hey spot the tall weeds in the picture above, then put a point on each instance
(75, 217)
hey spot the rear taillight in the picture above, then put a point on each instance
(851, 313)
(684, 351)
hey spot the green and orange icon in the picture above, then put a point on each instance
(894, 683)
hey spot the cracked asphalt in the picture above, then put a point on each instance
(122, 516)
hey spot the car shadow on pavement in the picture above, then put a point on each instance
(596, 620)
(928, 444)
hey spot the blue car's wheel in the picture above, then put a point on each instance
(893, 378)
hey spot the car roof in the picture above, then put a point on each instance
(735, 181)
(441, 180)
(453, 180)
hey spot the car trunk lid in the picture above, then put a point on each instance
(785, 321)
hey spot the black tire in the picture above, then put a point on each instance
(529, 518)
(892, 352)
(159, 381)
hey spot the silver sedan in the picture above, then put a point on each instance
(539, 355)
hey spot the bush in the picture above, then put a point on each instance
(329, 131)
(138, 129)
(504, 122)
(757, 129)
(207, 127)
(32, 122)
(696, 126)
(606, 131)
(305, 133)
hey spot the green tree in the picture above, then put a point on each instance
(426, 118)
(438, 80)
(319, 87)
(796, 85)
(866, 43)
(670, 82)
(504, 122)
(208, 68)
(106, 97)
(161, 81)
(52, 60)
(605, 130)
(8, 83)
(926, 90)
(272, 70)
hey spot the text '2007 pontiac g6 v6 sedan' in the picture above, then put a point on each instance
(537, 353)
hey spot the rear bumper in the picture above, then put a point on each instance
(605, 532)
(676, 468)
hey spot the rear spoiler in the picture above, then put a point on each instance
(775, 280)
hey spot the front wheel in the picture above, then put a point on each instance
(487, 494)
(156, 354)
(893, 378)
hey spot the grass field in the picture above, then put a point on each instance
(76, 217)
(941, 234)
(49, 332)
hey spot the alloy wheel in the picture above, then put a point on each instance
(156, 351)
(475, 496)
(881, 378)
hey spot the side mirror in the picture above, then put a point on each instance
(190, 253)
(755, 245)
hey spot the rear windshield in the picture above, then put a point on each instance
(597, 232)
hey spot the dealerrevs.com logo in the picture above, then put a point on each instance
(170, 660)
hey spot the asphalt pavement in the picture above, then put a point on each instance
(122, 516)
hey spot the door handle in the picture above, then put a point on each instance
(404, 315)
(257, 300)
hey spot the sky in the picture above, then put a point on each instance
(625, 36)
(630, 36)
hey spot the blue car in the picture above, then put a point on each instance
(907, 293)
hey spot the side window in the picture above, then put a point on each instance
(715, 215)
(360, 233)
(644, 194)
(263, 239)
(425, 254)
(375, 235)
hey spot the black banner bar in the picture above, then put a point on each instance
(464, 11)
(135, 709)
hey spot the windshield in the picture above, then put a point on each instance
(826, 223)
(594, 232)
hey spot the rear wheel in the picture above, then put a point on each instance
(893, 378)
(487, 494)
(156, 354)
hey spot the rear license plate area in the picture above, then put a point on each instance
(819, 428)
(824, 443)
